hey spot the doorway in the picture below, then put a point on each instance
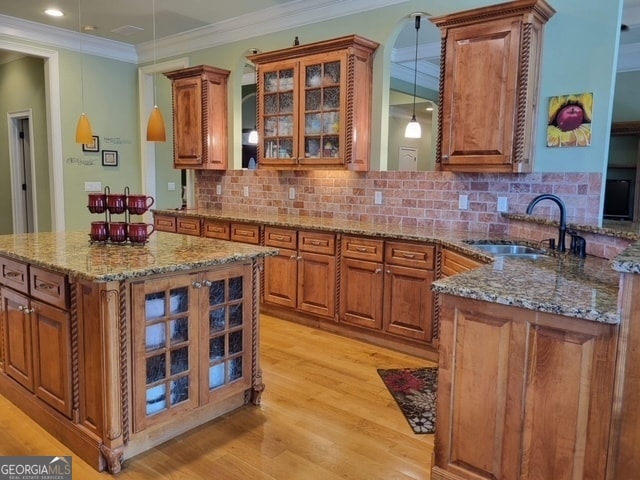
(22, 168)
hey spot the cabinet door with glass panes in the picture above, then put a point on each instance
(191, 341)
(225, 333)
(278, 109)
(322, 109)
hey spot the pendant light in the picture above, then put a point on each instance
(156, 131)
(84, 132)
(413, 129)
(252, 139)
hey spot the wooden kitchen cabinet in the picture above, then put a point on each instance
(245, 233)
(37, 335)
(408, 299)
(522, 394)
(386, 286)
(165, 223)
(189, 226)
(200, 117)
(191, 341)
(314, 105)
(361, 282)
(304, 278)
(216, 229)
(455, 262)
(489, 90)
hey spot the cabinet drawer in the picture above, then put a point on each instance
(362, 248)
(280, 237)
(217, 229)
(49, 287)
(165, 223)
(14, 274)
(410, 255)
(245, 233)
(188, 226)
(317, 242)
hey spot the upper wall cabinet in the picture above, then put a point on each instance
(199, 117)
(314, 105)
(489, 86)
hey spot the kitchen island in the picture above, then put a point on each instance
(114, 349)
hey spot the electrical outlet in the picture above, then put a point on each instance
(292, 193)
(502, 204)
(171, 186)
(246, 191)
(377, 198)
(463, 202)
(218, 189)
(92, 186)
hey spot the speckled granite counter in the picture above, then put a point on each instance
(585, 289)
(71, 253)
(580, 288)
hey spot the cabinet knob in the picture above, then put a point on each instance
(445, 158)
(294, 257)
(21, 308)
(197, 284)
(207, 283)
(378, 270)
(389, 272)
(299, 258)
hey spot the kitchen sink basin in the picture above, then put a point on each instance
(506, 250)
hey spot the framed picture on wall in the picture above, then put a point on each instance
(93, 146)
(109, 158)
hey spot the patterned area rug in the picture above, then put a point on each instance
(414, 390)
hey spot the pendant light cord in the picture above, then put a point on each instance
(81, 57)
(415, 66)
(154, 53)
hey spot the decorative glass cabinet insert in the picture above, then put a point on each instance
(192, 341)
(314, 104)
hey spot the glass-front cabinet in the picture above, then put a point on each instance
(192, 342)
(314, 105)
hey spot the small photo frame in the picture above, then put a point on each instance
(93, 146)
(109, 158)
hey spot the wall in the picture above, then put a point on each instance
(110, 102)
(22, 88)
(626, 103)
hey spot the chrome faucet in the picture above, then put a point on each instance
(563, 216)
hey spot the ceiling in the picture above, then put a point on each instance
(131, 24)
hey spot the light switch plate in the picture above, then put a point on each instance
(171, 186)
(218, 189)
(92, 186)
(502, 204)
(377, 198)
(246, 191)
(292, 193)
(463, 202)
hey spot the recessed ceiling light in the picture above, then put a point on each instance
(54, 12)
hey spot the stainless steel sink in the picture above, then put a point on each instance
(506, 250)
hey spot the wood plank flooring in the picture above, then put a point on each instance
(325, 414)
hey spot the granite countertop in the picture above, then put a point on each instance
(560, 284)
(563, 285)
(72, 253)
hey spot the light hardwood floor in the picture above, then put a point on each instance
(325, 414)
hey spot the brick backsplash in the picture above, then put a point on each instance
(427, 199)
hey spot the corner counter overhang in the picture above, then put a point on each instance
(71, 253)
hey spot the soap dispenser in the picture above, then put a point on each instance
(252, 163)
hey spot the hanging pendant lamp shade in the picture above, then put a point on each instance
(156, 131)
(413, 129)
(84, 132)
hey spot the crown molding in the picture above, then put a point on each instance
(56, 37)
(266, 21)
